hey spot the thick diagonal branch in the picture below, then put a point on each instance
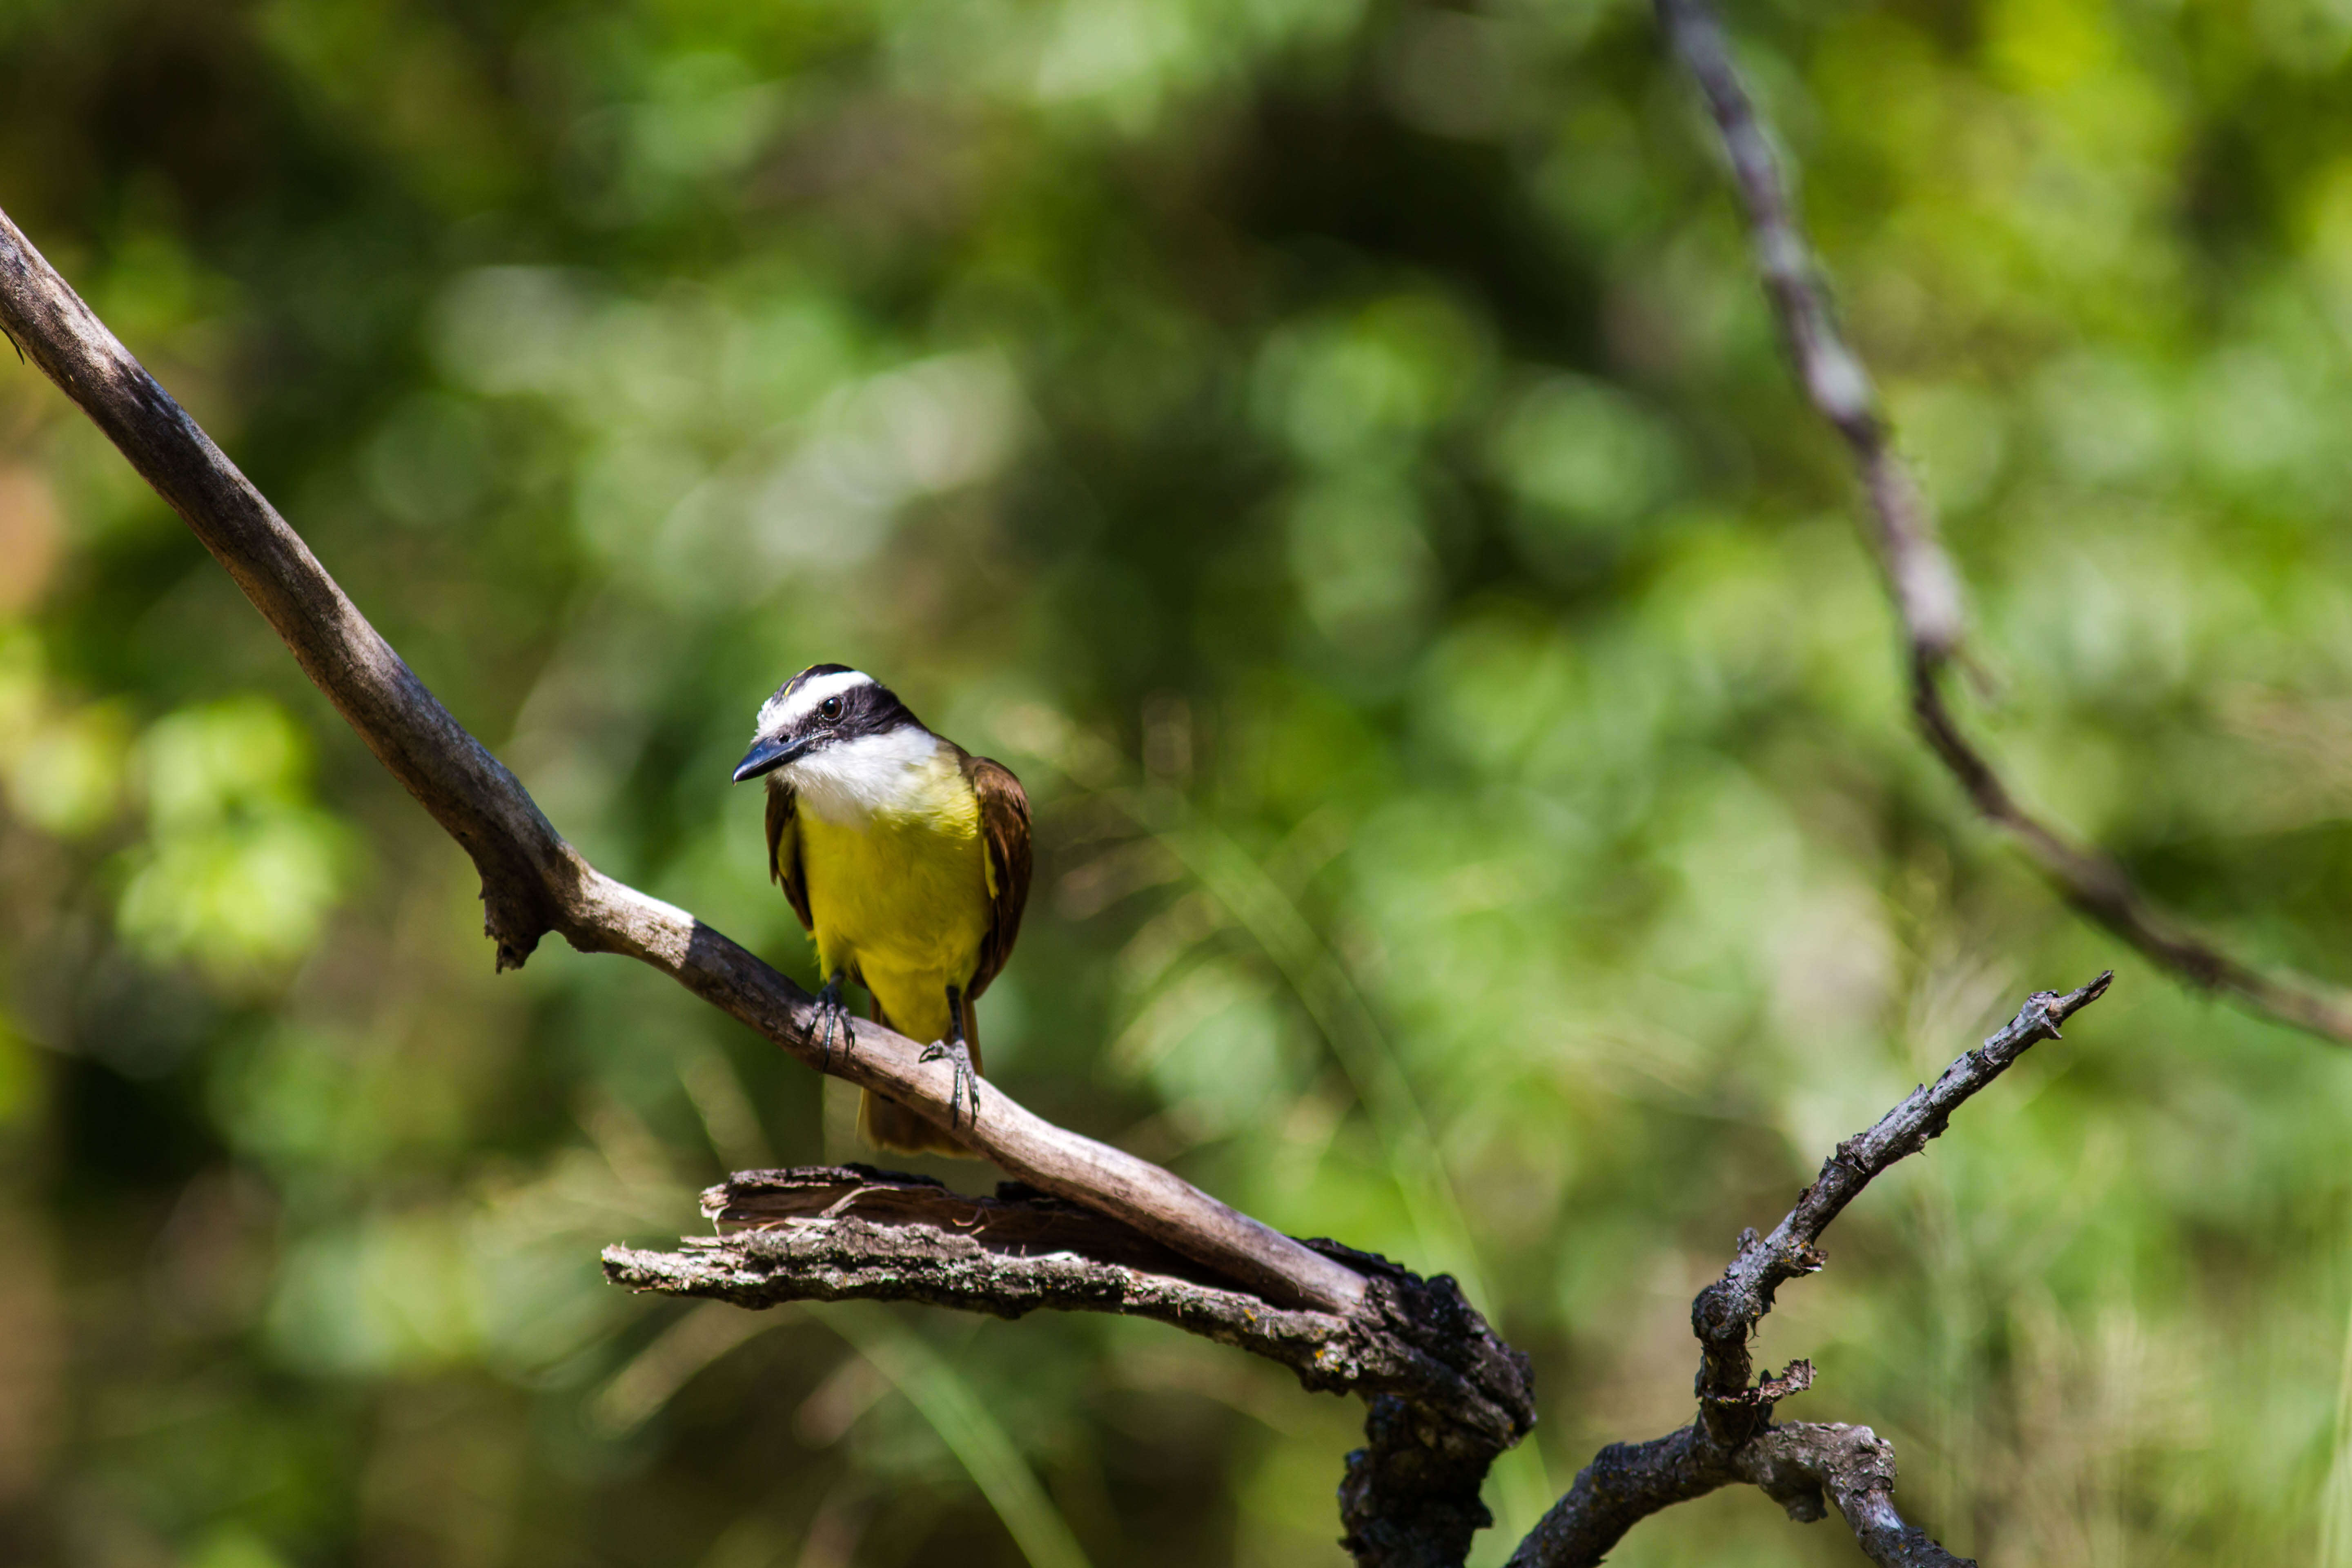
(532, 881)
(1733, 1438)
(1919, 573)
(1446, 1394)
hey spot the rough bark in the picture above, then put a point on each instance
(1919, 574)
(1796, 1465)
(1732, 1438)
(1446, 1394)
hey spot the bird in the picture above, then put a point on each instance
(907, 859)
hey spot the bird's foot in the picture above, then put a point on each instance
(831, 1019)
(963, 1094)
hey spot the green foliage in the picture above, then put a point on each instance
(236, 869)
(1339, 456)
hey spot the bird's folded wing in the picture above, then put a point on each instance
(784, 847)
(1005, 825)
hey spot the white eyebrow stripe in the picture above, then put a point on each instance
(802, 702)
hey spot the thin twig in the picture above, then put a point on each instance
(1727, 1312)
(1919, 574)
(1733, 1438)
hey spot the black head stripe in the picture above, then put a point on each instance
(867, 709)
(872, 711)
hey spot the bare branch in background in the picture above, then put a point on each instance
(1919, 574)
(1733, 1440)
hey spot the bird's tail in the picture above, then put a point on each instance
(889, 1125)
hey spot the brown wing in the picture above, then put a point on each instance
(1004, 827)
(784, 847)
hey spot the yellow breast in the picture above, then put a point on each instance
(897, 889)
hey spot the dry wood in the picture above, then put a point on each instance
(1733, 1438)
(1446, 1394)
(834, 1233)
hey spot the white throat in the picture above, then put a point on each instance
(875, 776)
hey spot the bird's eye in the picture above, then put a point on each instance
(829, 709)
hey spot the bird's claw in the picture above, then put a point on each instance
(831, 1018)
(963, 1094)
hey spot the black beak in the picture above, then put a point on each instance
(766, 755)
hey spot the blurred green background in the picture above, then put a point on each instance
(1336, 452)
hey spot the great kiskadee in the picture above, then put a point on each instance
(907, 859)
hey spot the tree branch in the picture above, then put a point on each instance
(1732, 1438)
(1796, 1464)
(1919, 574)
(840, 1233)
(1727, 1312)
(532, 881)
(1448, 1395)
